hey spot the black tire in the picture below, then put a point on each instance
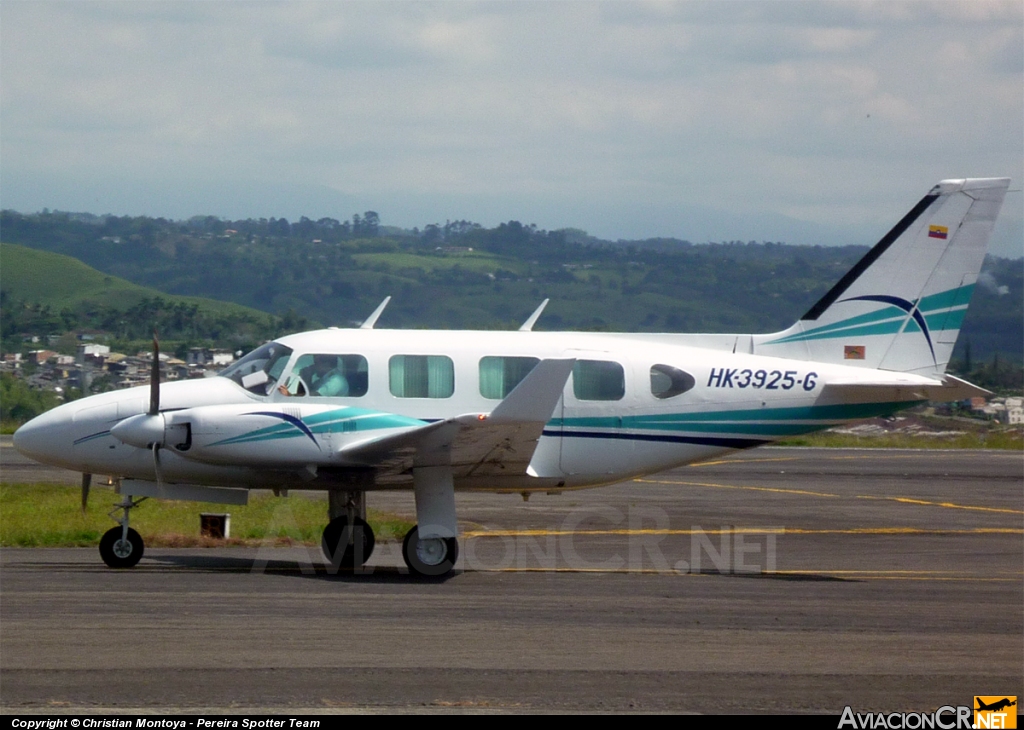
(355, 552)
(415, 559)
(118, 553)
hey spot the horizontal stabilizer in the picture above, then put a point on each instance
(949, 388)
(499, 442)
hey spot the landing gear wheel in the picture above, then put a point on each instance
(118, 552)
(353, 552)
(433, 557)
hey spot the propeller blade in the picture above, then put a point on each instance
(154, 380)
(86, 482)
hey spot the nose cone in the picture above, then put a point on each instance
(46, 438)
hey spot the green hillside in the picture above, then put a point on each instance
(43, 293)
(58, 281)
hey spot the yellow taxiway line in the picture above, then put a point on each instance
(804, 492)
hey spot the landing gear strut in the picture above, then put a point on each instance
(348, 539)
(434, 553)
(122, 547)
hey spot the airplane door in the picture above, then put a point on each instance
(596, 398)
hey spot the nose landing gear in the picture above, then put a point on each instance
(122, 547)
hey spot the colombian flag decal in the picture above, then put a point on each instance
(938, 232)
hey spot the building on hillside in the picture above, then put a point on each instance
(206, 356)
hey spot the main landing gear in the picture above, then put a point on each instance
(347, 543)
(431, 547)
(348, 539)
(122, 547)
(432, 556)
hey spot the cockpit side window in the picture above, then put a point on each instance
(258, 371)
(327, 376)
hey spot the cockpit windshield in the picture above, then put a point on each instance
(258, 371)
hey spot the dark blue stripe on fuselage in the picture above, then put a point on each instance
(297, 422)
(725, 442)
(90, 437)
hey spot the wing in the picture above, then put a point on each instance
(478, 444)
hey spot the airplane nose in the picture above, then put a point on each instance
(41, 438)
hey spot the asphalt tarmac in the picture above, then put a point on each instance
(779, 580)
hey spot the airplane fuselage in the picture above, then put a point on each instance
(631, 407)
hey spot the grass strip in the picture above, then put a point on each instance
(50, 515)
(1009, 439)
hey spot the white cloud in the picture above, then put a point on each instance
(824, 111)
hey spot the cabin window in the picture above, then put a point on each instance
(421, 376)
(667, 381)
(258, 371)
(500, 375)
(327, 376)
(598, 380)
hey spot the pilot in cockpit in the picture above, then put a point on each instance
(323, 377)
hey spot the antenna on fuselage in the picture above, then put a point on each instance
(372, 319)
(532, 320)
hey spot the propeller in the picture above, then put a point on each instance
(154, 379)
(154, 405)
(147, 430)
(86, 482)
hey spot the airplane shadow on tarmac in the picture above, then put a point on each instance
(289, 568)
(392, 574)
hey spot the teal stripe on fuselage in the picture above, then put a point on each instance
(344, 420)
(886, 313)
(760, 421)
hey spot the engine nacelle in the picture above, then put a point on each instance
(272, 435)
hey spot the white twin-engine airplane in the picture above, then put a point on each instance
(355, 410)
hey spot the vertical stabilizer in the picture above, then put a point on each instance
(900, 307)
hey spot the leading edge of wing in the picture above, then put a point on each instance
(506, 436)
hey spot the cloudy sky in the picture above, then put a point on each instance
(812, 122)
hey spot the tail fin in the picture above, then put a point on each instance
(900, 307)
